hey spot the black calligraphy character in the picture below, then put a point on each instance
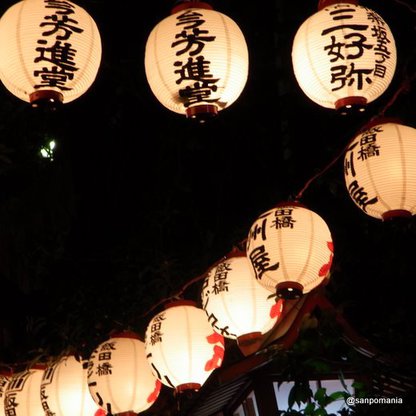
(380, 70)
(198, 92)
(283, 221)
(107, 346)
(339, 73)
(10, 404)
(156, 337)
(260, 261)
(104, 369)
(358, 43)
(195, 70)
(220, 286)
(61, 7)
(368, 151)
(349, 163)
(59, 55)
(259, 230)
(53, 77)
(194, 42)
(360, 196)
(375, 18)
(343, 27)
(62, 23)
(191, 19)
(340, 12)
(335, 49)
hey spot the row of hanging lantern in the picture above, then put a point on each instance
(289, 248)
(196, 63)
(184, 344)
(124, 374)
(196, 60)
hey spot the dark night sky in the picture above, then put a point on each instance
(140, 200)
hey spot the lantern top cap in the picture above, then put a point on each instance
(180, 302)
(124, 334)
(289, 203)
(235, 252)
(325, 3)
(190, 4)
(39, 366)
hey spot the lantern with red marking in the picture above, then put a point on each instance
(50, 51)
(182, 347)
(238, 307)
(380, 170)
(22, 396)
(119, 377)
(64, 390)
(196, 60)
(290, 250)
(344, 56)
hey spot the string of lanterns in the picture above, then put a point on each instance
(196, 63)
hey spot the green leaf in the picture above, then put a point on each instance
(309, 409)
(320, 396)
(338, 395)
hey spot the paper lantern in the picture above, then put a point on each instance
(119, 377)
(290, 250)
(237, 305)
(380, 170)
(182, 347)
(344, 56)
(50, 51)
(64, 390)
(23, 393)
(196, 61)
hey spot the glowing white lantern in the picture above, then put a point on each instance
(290, 250)
(196, 61)
(23, 393)
(344, 56)
(182, 347)
(120, 378)
(380, 170)
(237, 306)
(50, 51)
(64, 390)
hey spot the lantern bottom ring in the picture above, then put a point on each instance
(46, 98)
(188, 386)
(350, 105)
(202, 112)
(289, 290)
(396, 213)
(248, 339)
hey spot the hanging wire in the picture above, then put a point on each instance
(407, 5)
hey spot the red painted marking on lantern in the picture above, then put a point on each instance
(324, 270)
(155, 394)
(216, 360)
(277, 309)
(100, 412)
(215, 337)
